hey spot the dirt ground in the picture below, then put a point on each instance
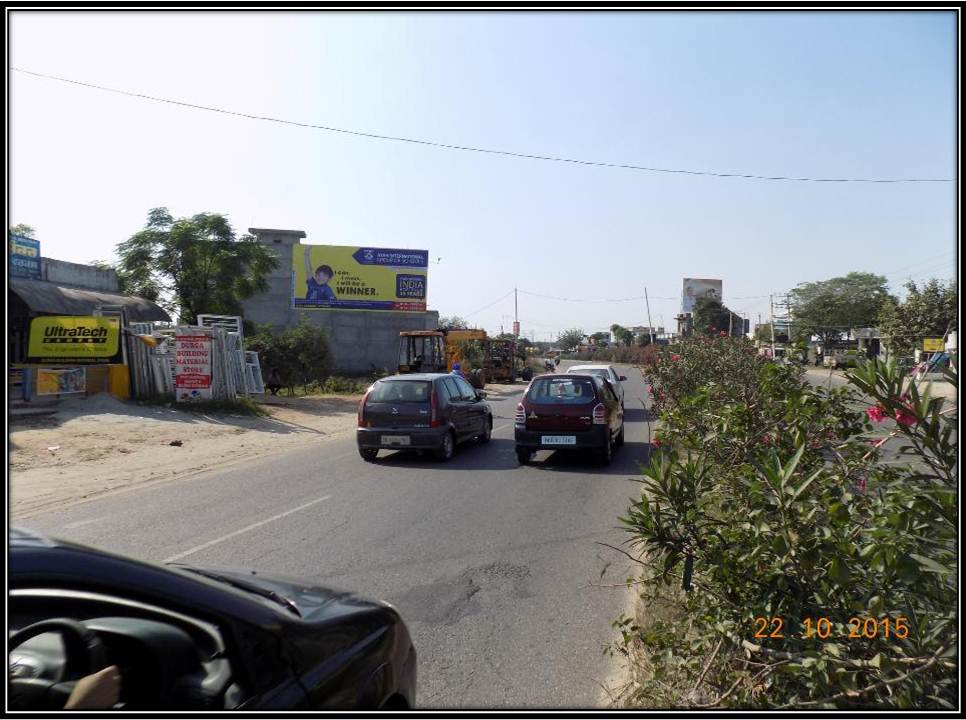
(99, 445)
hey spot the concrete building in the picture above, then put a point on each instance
(360, 340)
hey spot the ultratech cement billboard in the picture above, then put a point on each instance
(359, 278)
(699, 287)
(74, 339)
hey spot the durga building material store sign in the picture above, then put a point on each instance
(192, 367)
(74, 339)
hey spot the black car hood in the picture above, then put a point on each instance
(312, 602)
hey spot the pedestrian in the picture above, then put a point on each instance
(274, 383)
(457, 370)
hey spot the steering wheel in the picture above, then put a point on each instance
(84, 655)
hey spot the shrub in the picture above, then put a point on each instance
(766, 500)
(300, 354)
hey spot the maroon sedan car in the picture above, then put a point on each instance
(569, 412)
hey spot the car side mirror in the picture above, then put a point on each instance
(622, 378)
(481, 394)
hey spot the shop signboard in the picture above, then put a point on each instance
(24, 257)
(74, 339)
(51, 381)
(192, 367)
(933, 345)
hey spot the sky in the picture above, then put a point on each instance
(807, 94)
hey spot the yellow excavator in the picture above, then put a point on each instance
(437, 350)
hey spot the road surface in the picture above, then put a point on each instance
(492, 565)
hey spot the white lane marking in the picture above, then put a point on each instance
(245, 529)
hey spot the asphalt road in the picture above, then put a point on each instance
(492, 565)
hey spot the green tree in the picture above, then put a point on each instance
(453, 322)
(926, 312)
(301, 354)
(193, 265)
(711, 318)
(568, 340)
(622, 334)
(24, 231)
(601, 338)
(830, 308)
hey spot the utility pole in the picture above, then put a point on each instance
(649, 326)
(516, 315)
(771, 305)
(730, 316)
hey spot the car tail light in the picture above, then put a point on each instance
(362, 409)
(434, 407)
(600, 414)
(520, 418)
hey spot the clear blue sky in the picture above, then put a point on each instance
(831, 94)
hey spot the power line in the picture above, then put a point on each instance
(467, 148)
(488, 305)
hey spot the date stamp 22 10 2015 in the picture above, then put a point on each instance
(823, 629)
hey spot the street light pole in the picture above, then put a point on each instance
(650, 327)
(771, 306)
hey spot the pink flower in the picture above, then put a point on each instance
(656, 442)
(723, 333)
(905, 417)
(675, 358)
(861, 484)
(876, 414)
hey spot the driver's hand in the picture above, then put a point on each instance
(99, 691)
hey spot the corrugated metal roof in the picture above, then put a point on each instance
(46, 297)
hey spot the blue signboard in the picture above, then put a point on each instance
(24, 257)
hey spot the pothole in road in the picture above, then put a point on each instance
(447, 601)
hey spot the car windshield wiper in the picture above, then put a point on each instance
(249, 587)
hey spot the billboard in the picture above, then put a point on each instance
(24, 257)
(359, 278)
(74, 339)
(699, 287)
(61, 382)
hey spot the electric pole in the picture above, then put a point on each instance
(649, 326)
(771, 306)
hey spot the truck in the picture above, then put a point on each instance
(439, 350)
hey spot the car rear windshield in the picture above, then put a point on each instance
(566, 391)
(599, 372)
(400, 391)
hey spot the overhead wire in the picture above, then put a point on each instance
(469, 148)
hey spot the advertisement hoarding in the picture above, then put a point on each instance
(359, 278)
(932, 345)
(61, 382)
(192, 367)
(24, 257)
(74, 339)
(699, 287)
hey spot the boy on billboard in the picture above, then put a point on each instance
(317, 283)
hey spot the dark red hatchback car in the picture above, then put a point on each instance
(569, 412)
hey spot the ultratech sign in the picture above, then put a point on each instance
(74, 339)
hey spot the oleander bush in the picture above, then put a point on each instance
(806, 564)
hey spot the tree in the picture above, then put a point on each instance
(193, 265)
(927, 312)
(568, 340)
(452, 323)
(300, 354)
(831, 308)
(23, 231)
(622, 334)
(711, 318)
(600, 338)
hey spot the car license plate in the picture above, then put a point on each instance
(559, 440)
(395, 439)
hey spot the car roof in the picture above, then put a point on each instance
(21, 537)
(416, 376)
(588, 367)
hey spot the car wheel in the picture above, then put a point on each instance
(368, 454)
(607, 454)
(446, 448)
(487, 431)
(524, 455)
(620, 436)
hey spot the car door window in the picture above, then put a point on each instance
(452, 389)
(466, 390)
